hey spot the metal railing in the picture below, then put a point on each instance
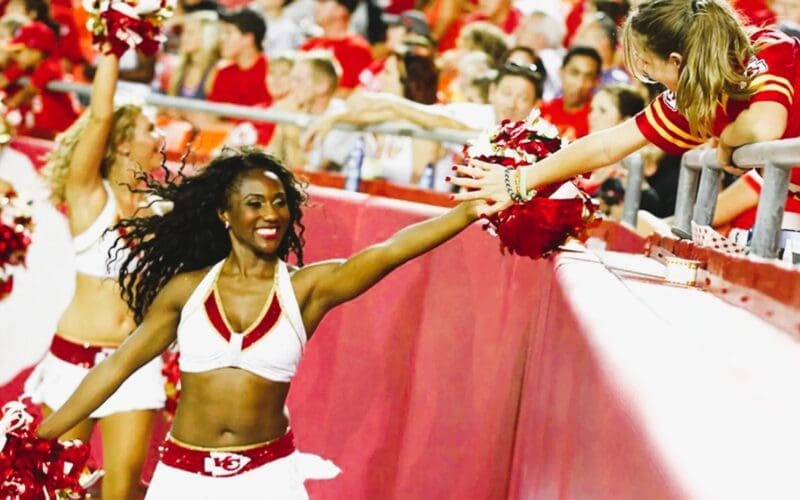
(301, 120)
(699, 185)
(634, 164)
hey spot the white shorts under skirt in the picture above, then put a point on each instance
(54, 380)
(281, 479)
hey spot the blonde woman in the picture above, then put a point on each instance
(90, 171)
(198, 54)
(725, 84)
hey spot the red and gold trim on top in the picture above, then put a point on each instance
(266, 320)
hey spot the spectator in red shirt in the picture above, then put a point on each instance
(579, 75)
(241, 76)
(44, 113)
(500, 13)
(351, 50)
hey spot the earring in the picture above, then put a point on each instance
(227, 224)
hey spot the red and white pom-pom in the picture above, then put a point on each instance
(171, 371)
(32, 468)
(16, 225)
(128, 24)
(558, 212)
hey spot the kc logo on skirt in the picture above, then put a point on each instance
(220, 463)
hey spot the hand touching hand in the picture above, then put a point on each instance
(484, 181)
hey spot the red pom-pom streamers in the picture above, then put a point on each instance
(32, 468)
(538, 227)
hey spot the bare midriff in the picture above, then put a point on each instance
(229, 407)
(97, 314)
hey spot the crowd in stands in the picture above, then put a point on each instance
(464, 65)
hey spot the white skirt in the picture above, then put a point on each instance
(281, 479)
(54, 380)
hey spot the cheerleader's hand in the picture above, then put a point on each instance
(483, 181)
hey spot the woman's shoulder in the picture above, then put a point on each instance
(181, 286)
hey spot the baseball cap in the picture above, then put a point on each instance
(413, 20)
(35, 35)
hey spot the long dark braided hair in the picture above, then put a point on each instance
(191, 235)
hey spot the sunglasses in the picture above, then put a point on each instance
(529, 70)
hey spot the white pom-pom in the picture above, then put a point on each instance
(15, 416)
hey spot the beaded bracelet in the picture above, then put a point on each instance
(512, 193)
(523, 186)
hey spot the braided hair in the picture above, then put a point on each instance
(191, 235)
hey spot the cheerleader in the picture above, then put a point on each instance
(212, 274)
(90, 170)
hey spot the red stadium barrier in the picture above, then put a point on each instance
(469, 374)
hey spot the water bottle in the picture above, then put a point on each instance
(352, 166)
(427, 178)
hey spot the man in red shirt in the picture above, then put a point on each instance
(579, 75)
(44, 113)
(241, 76)
(351, 50)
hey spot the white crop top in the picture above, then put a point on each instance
(270, 348)
(92, 245)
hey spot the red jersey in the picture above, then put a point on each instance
(48, 113)
(570, 124)
(776, 78)
(352, 51)
(450, 37)
(246, 87)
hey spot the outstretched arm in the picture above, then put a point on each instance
(584, 155)
(84, 171)
(324, 285)
(366, 108)
(150, 339)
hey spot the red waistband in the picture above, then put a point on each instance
(84, 355)
(224, 462)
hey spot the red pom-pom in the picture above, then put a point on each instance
(540, 226)
(172, 382)
(32, 468)
(128, 24)
(124, 32)
(15, 238)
